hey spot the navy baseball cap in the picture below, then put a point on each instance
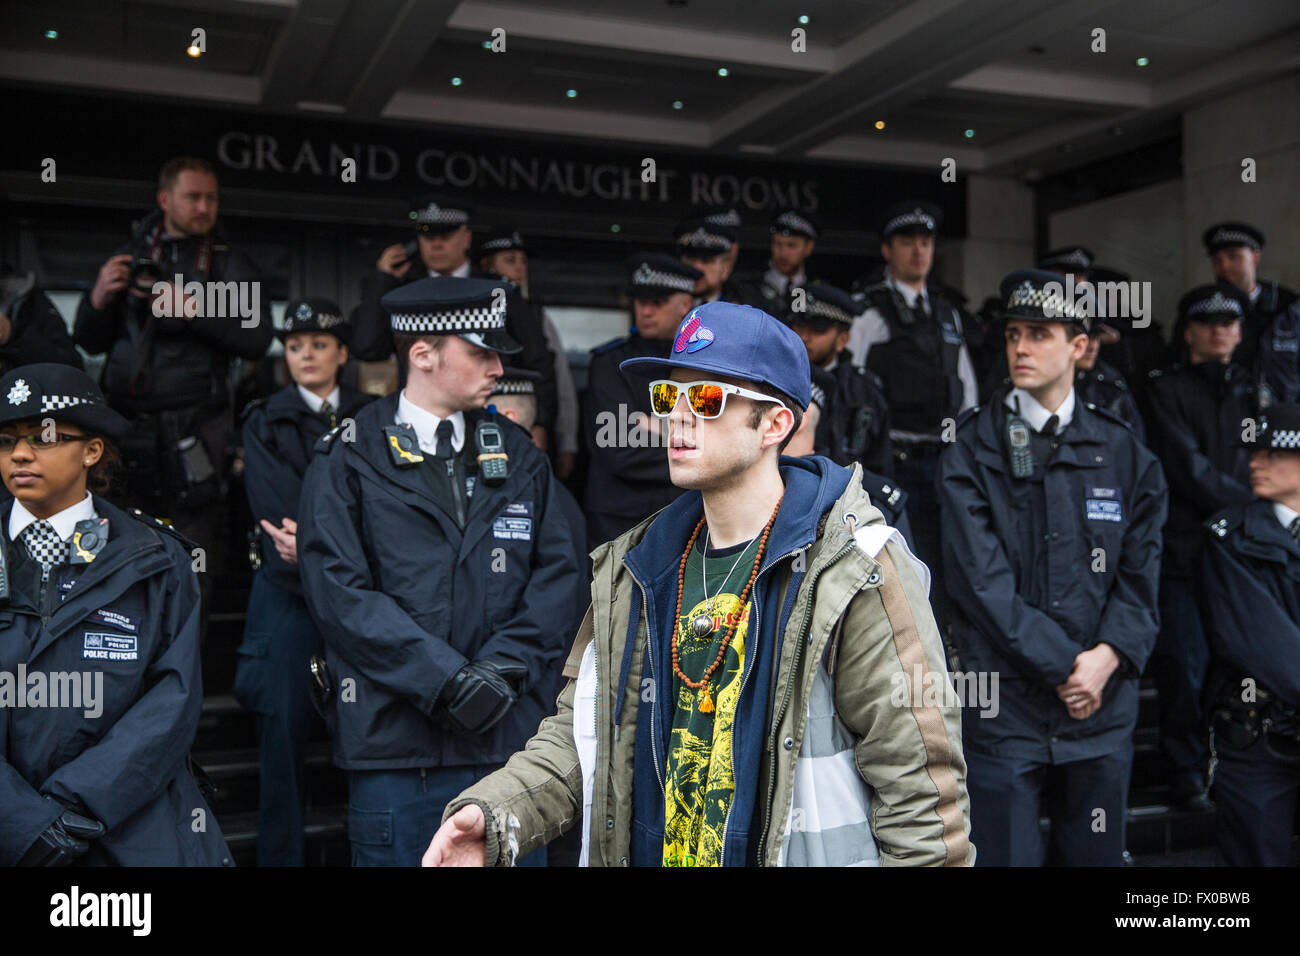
(736, 340)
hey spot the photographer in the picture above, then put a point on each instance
(169, 362)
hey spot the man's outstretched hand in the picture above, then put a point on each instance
(460, 841)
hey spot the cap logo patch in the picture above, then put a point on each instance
(303, 312)
(19, 393)
(693, 336)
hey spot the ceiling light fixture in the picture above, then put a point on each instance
(723, 71)
(880, 124)
(456, 81)
(804, 19)
(1142, 61)
(677, 104)
(194, 51)
(970, 133)
(571, 94)
(51, 34)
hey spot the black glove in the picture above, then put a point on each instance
(480, 693)
(64, 840)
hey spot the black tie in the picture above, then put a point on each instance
(922, 311)
(443, 436)
(1294, 528)
(327, 413)
(1049, 426)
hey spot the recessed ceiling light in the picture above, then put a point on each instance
(615, 228)
(804, 19)
(194, 51)
(487, 44)
(677, 104)
(880, 124)
(456, 81)
(1142, 61)
(571, 94)
(970, 133)
(723, 71)
(51, 34)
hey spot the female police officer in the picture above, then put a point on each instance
(99, 648)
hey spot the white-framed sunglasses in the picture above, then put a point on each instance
(705, 399)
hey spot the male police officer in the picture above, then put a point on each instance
(912, 338)
(1099, 383)
(1251, 582)
(794, 235)
(705, 246)
(728, 216)
(504, 253)
(435, 563)
(1196, 414)
(441, 248)
(1270, 341)
(855, 426)
(627, 477)
(1051, 538)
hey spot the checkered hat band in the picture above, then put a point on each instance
(827, 311)
(492, 245)
(789, 220)
(1217, 304)
(457, 320)
(914, 218)
(1052, 305)
(1284, 438)
(438, 216)
(51, 402)
(1232, 237)
(1075, 258)
(731, 218)
(702, 239)
(818, 396)
(513, 387)
(644, 275)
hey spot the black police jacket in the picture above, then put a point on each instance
(1195, 418)
(624, 480)
(1105, 387)
(1270, 345)
(372, 332)
(1250, 577)
(37, 334)
(918, 365)
(1037, 576)
(856, 426)
(131, 619)
(280, 434)
(187, 362)
(404, 598)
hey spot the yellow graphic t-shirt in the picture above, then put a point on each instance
(699, 785)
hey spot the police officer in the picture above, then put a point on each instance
(1270, 341)
(272, 676)
(1051, 540)
(1251, 583)
(1098, 383)
(504, 253)
(913, 339)
(706, 247)
(794, 236)
(440, 247)
(856, 425)
(627, 476)
(102, 603)
(438, 569)
(31, 329)
(1195, 419)
(884, 494)
(168, 367)
(728, 216)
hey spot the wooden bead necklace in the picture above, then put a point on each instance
(706, 705)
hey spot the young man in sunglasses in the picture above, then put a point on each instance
(749, 649)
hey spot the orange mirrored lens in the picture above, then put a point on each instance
(705, 399)
(663, 397)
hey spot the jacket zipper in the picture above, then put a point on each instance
(785, 701)
(654, 682)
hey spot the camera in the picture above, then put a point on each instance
(144, 273)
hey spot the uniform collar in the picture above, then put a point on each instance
(1035, 414)
(426, 424)
(779, 281)
(460, 272)
(1284, 514)
(314, 401)
(63, 522)
(909, 294)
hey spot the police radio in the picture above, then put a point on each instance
(1022, 458)
(493, 462)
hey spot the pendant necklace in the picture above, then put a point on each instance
(703, 623)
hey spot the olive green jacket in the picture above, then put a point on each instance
(864, 620)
